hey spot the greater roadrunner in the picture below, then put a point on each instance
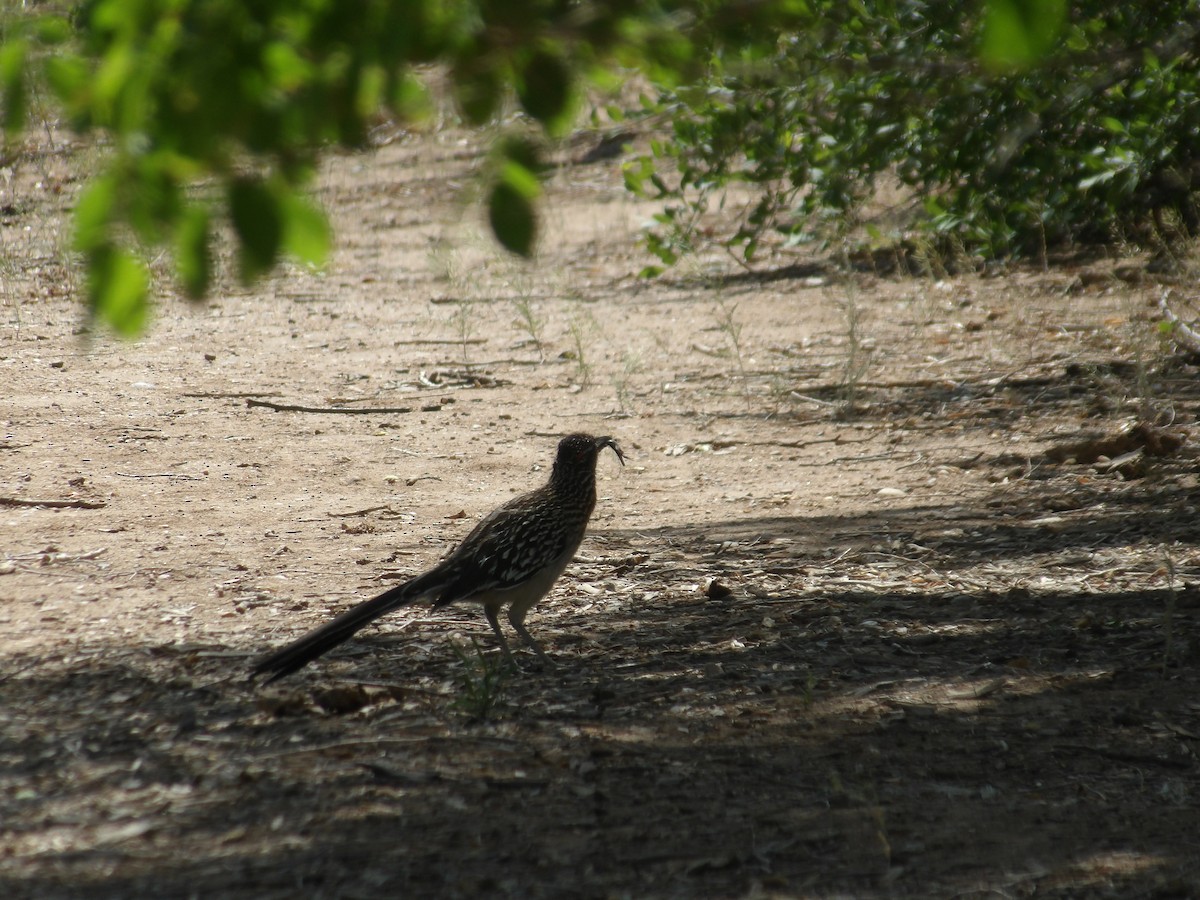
(512, 558)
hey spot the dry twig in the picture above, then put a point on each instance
(1181, 333)
(292, 407)
(53, 504)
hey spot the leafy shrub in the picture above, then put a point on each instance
(1098, 139)
(240, 98)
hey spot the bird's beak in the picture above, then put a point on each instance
(607, 441)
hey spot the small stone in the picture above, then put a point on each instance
(715, 590)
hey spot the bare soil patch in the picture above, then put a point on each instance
(871, 612)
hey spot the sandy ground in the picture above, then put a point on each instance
(870, 612)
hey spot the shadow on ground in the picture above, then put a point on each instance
(806, 738)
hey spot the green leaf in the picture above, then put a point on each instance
(369, 95)
(1099, 178)
(286, 69)
(153, 198)
(94, 213)
(54, 30)
(117, 289)
(477, 91)
(112, 78)
(258, 221)
(1019, 33)
(69, 78)
(409, 99)
(636, 173)
(522, 178)
(306, 232)
(544, 89)
(512, 217)
(193, 261)
(525, 153)
(14, 87)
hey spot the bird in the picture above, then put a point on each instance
(510, 559)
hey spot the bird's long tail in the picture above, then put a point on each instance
(319, 641)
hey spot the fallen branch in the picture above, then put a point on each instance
(439, 341)
(292, 407)
(228, 395)
(54, 504)
(799, 445)
(1181, 333)
(51, 555)
(440, 378)
(357, 512)
(181, 475)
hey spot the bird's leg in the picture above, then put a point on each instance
(516, 618)
(490, 611)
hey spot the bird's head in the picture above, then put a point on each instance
(581, 450)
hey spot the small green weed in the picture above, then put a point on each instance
(482, 681)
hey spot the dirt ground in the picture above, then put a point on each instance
(889, 600)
